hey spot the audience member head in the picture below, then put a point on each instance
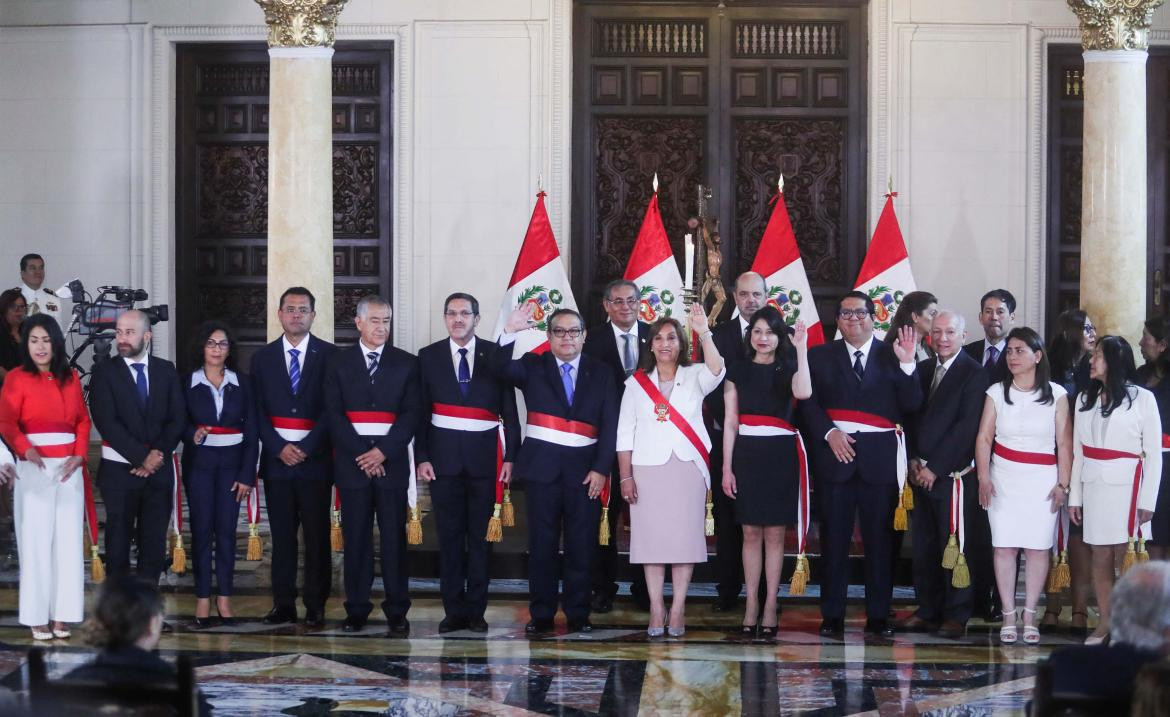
(129, 612)
(13, 310)
(1027, 364)
(373, 320)
(566, 334)
(296, 311)
(947, 333)
(461, 316)
(1111, 370)
(855, 318)
(1073, 338)
(767, 335)
(214, 347)
(918, 309)
(1140, 607)
(621, 302)
(132, 334)
(669, 345)
(1155, 343)
(32, 270)
(42, 347)
(997, 314)
(750, 293)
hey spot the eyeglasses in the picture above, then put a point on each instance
(632, 301)
(221, 345)
(853, 313)
(294, 310)
(571, 333)
(458, 314)
(1090, 329)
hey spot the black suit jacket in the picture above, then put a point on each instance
(942, 432)
(274, 398)
(132, 432)
(885, 391)
(394, 388)
(451, 451)
(1098, 670)
(728, 339)
(601, 344)
(595, 401)
(976, 349)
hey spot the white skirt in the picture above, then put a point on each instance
(1106, 512)
(1021, 513)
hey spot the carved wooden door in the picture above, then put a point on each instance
(222, 186)
(725, 97)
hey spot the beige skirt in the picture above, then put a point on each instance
(666, 524)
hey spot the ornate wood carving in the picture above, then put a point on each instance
(355, 189)
(782, 40)
(1070, 194)
(231, 189)
(627, 153)
(345, 301)
(225, 80)
(624, 37)
(813, 152)
(243, 305)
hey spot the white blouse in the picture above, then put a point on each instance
(1133, 428)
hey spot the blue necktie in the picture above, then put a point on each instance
(294, 370)
(858, 368)
(464, 373)
(140, 381)
(567, 380)
(992, 358)
(373, 357)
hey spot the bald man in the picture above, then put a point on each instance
(137, 406)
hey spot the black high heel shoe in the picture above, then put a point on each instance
(228, 621)
(768, 632)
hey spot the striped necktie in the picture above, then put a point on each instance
(294, 370)
(373, 358)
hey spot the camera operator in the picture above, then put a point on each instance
(137, 406)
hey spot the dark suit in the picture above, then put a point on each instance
(942, 434)
(394, 388)
(601, 343)
(553, 475)
(129, 666)
(138, 507)
(977, 349)
(208, 475)
(298, 497)
(866, 487)
(1098, 670)
(728, 338)
(464, 463)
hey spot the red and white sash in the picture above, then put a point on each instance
(292, 429)
(109, 454)
(562, 432)
(1034, 459)
(1108, 454)
(379, 423)
(675, 417)
(220, 437)
(756, 425)
(1165, 442)
(958, 499)
(52, 439)
(463, 418)
(849, 421)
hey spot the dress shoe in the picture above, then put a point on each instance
(832, 627)
(167, 628)
(537, 627)
(200, 623)
(353, 623)
(580, 626)
(952, 630)
(879, 627)
(601, 603)
(314, 619)
(280, 616)
(477, 624)
(451, 624)
(397, 626)
(990, 612)
(725, 604)
(913, 623)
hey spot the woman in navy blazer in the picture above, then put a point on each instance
(220, 446)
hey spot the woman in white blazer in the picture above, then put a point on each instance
(663, 455)
(1117, 465)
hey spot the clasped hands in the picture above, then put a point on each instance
(72, 463)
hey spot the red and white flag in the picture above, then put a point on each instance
(778, 261)
(885, 274)
(653, 269)
(539, 279)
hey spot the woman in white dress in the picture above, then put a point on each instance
(1023, 457)
(1117, 465)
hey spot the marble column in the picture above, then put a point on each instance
(300, 153)
(1114, 286)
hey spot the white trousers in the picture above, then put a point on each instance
(49, 518)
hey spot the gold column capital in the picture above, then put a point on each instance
(301, 23)
(1115, 24)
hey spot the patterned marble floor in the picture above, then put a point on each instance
(251, 669)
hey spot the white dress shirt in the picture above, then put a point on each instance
(470, 355)
(301, 348)
(145, 361)
(366, 350)
(621, 343)
(575, 363)
(998, 349)
(229, 377)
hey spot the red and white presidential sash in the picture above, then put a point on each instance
(379, 423)
(666, 412)
(562, 432)
(463, 418)
(757, 425)
(52, 439)
(220, 437)
(850, 421)
(292, 429)
(1108, 454)
(109, 454)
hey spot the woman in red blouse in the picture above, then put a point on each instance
(44, 420)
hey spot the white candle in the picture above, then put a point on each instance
(689, 247)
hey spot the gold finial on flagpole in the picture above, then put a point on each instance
(890, 185)
(780, 183)
(655, 183)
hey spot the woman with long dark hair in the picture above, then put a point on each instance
(761, 470)
(917, 309)
(13, 310)
(220, 446)
(1155, 375)
(1117, 465)
(1023, 456)
(45, 421)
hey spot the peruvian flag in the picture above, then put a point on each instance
(885, 274)
(778, 261)
(539, 279)
(652, 267)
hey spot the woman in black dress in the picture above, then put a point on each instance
(761, 470)
(1155, 375)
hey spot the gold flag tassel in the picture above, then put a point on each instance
(951, 552)
(1063, 575)
(170, 541)
(709, 522)
(255, 548)
(1130, 556)
(495, 529)
(901, 519)
(179, 556)
(961, 575)
(1052, 584)
(97, 571)
(799, 576)
(1142, 554)
(508, 513)
(336, 540)
(414, 527)
(907, 497)
(603, 529)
